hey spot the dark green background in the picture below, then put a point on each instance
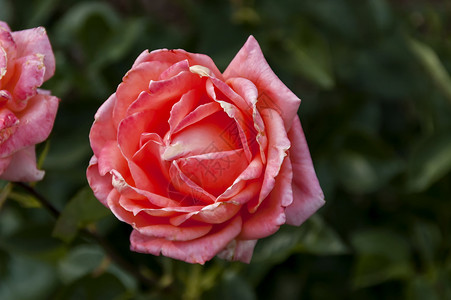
(376, 110)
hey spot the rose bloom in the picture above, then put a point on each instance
(26, 112)
(202, 163)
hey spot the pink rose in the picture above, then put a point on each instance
(202, 163)
(26, 112)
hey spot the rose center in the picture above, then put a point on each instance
(215, 133)
(208, 154)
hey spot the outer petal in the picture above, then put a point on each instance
(174, 56)
(4, 163)
(251, 64)
(100, 185)
(307, 194)
(31, 76)
(32, 41)
(174, 233)
(239, 250)
(4, 26)
(134, 82)
(195, 251)
(35, 125)
(103, 130)
(270, 215)
(7, 53)
(277, 147)
(23, 167)
(3, 62)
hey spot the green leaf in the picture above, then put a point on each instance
(75, 21)
(430, 161)
(79, 262)
(33, 240)
(119, 43)
(321, 239)
(42, 11)
(431, 63)
(427, 238)
(27, 279)
(82, 210)
(381, 255)
(313, 237)
(26, 200)
(44, 154)
(4, 193)
(365, 163)
(381, 13)
(421, 288)
(313, 62)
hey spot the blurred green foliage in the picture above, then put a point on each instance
(374, 79)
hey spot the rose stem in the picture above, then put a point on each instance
(114, 256)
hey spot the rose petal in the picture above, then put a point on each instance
(214, 171)
(134, 82)
(252, 171)
(230, 94)
(277, 148)
(245, 132)
(251, 64)
(4, 163)
(129, 191)
(100, 185)
(3, 62)
(131, 128)
(149, 172)
(195, 251)
(103, 131)
(174, 56)
(187, 186)
(249, 192)
(4, 26)
(238, 250)
(212, 213)
(198, 114)
(30, 71)
(136, 206)
(8, 124)
(8, 52)
(22, 167)
(249, 93)
(307, 194)
(35, 125)
(162, 94)
(111, 158)
(217, 213)
(207, 135)
(32, 41)
(270, 215)
(182, 108)
(174, 70)
(175, 233)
